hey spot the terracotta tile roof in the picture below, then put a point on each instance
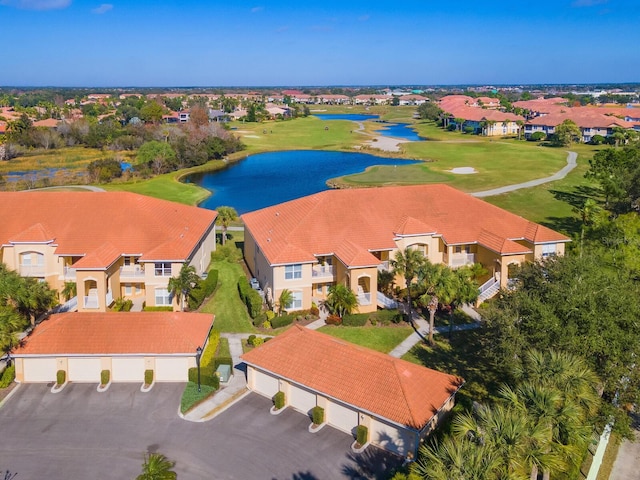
(102, 257)
(294, 231)
(583, 117)
(354, 255)
(413, 226)
(49, 123)
(83, 222)
(391, 388)
(118, 333)
(37, 233)
(500, 244)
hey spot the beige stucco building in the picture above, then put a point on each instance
(347, 236)
(110, 244)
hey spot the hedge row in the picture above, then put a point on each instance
(207, 376)
(203, 290)
(383, 317)
(250, 297)
(282, 321)
(158, 309)
(211, 349)
(8, 376)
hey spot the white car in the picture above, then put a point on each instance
(254, 284)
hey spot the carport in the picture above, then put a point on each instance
(123, 343)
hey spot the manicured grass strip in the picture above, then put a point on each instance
(231, 314)
(609, 458)
(382, 339)
(462, 356)
(191, 397)
(223, 348)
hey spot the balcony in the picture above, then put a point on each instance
(458, 260)
(322, 271)
(69, 274)
(132, 272)
(28, 270)
(91, 301)
(383, 266)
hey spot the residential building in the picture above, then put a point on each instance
(123, 343)
(399, 402)
(346, 236)
(111, 244)
(589, 120)
(482, 118)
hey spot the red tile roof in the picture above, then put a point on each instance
(583, 117)
(81, 223)
(37, 233)
(295, 231)
(391, 388)
(118, 333)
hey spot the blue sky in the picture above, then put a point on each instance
(333, 42)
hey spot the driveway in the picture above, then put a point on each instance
(628, 460)
(80, 433)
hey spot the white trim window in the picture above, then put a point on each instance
(293, 272)
(32, 259)
(163, 297)
(162, 269)
(296, 302)
(128, 290)
(548, 249)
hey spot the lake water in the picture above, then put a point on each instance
(397, 130)
(266, 179)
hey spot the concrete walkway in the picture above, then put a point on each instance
(628, 460)
(560, 174)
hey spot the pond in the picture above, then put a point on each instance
(266, 179)
(397, 130)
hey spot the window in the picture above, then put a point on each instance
(292, 272)
(127, 261)
(162, 296)
(163, 269)
(296, 303)
(32, 258)
(127, 289)
(319, 289)
(548, 249)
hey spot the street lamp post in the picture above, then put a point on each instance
(198, 355)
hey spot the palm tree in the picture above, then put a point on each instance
(588, 214)
(226, 215)
(181, 286)
(407, 263)
(69, 291)
(11, 322)
(520, 124)
(157, 467)
(341, 300)
(437, 281)
(285, 299)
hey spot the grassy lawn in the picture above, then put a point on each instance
(551, 204)
(191, 396)
(461, 356)
(382, 339)
(231, 314)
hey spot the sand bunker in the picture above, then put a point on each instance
(463, 170)
(251, 136)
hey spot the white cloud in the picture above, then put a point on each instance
(36, 4)
(256, 9)
(104, 8)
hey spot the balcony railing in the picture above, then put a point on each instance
(322, 271)
(91, 301)
(69, 273)
(385, 302)
(131, 272)
(383, 266)
(28, 270)
(109, 298)
(462, 259)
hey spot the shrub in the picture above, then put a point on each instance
(537, 136)
(254, 303)
(362, 434)
(105, 376)
(228, 252)
(270, 314)
(207, 376)
(222, 361)
(266, 324)
(148, 377)
(278, 400)
(258, 341)
(203, 290)
(162, 308)
(8, 376)
(212, 346)
(333, 320)
(61, 377)
(355, 320)
(260, 319)
(251, 339)
(317, 415)
(468, 129)
(122, 305)
(282, 321)
(452, 127)
(598, 140)
(315, 311)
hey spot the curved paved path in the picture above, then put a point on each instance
(560, 174)
(90, 188)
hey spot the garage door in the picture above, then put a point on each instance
(265, 384)
(127, 369)
(84, 370)
(172, 369)
(394, 439)
(342, 418)
(39, 369)
(302, 400)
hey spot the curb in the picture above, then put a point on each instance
(11, 393)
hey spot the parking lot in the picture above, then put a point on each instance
(80, 433)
